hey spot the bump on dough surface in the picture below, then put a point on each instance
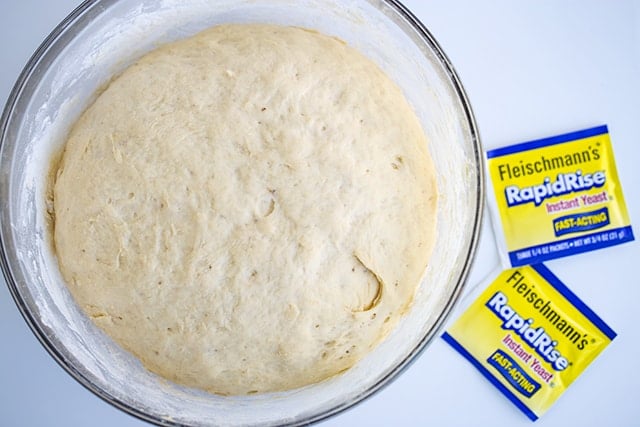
(247, 210)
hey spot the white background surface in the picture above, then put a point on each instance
(531, 69)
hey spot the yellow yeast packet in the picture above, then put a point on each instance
(530, 336)
(557, 196)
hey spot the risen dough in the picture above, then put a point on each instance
(247, 210)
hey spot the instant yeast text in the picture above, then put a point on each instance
(530, 336)
(558, 196)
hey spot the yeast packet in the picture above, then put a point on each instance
(530, 336)
(556, 196)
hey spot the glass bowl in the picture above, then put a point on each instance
(98, 40)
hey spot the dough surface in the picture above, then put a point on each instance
(247, 210)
